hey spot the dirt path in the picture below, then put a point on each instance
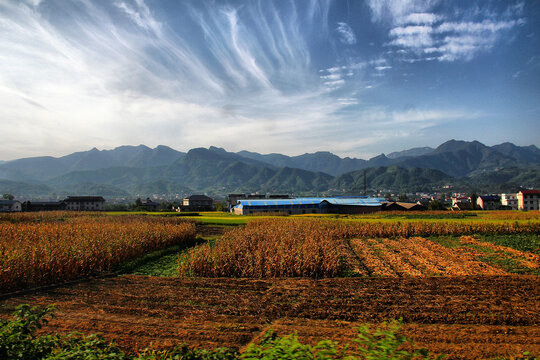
(465, 317)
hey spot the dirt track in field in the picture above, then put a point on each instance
(465, 317)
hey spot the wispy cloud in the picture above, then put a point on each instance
(117, 73)
(78, 74)
(444, 37)
(346, 33)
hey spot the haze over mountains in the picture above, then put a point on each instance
(142, 171)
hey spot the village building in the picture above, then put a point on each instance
(10, 206)
(461, 203)
(509, 201)
(198, 203)
(528, 199)
(44, 205)
(331, 205)
(488, 202)
(232, 199)
(84, 203)
(150, 205)
(402, 206)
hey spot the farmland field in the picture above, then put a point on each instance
(471, 317)
(465, 284)
(328, 248)
(46, 248)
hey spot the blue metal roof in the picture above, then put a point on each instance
(359, 201)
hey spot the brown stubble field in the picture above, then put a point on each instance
(320, 279)
(466, 317)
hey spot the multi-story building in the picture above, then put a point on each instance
(198, 203)
(85, 203)
(488, 202)
(528, 199)
(509, 200)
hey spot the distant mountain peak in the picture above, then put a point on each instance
(417, 151)
(379, 157)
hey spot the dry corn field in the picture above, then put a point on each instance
(49, 248)
(321, 248)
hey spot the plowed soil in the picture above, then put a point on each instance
(469, 317)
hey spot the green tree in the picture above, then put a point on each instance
(436, 205)
(8, 197)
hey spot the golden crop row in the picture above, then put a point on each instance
(47, 252)
(311, 248)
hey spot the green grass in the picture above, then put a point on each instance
(161, 262)
(509, 265)
(522, 242)
(164, 266)
(448, 241)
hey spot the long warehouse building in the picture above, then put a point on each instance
(330, 205)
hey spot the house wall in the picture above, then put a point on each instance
(528, 201)
(487, 205)
(287, 209)
(509, 200)
(85, 205)
(14, 207)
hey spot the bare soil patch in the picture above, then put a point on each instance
(466, 317)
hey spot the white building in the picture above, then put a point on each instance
(10, 206)
(509, 200)
(528, 199)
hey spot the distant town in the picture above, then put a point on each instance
(251, 204)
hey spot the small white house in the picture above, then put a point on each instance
(10, 206)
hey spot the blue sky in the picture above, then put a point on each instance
(356, 78)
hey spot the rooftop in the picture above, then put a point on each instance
(358, 201)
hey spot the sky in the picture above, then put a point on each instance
(357, 78)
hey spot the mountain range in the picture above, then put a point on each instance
(128, 171)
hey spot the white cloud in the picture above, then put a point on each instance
(486, 26)
(348, 101)
(347, 34)
(114, 73)
(414, 37)
(397, 10)
(416, 30)
(140, 14)
(421, 18)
